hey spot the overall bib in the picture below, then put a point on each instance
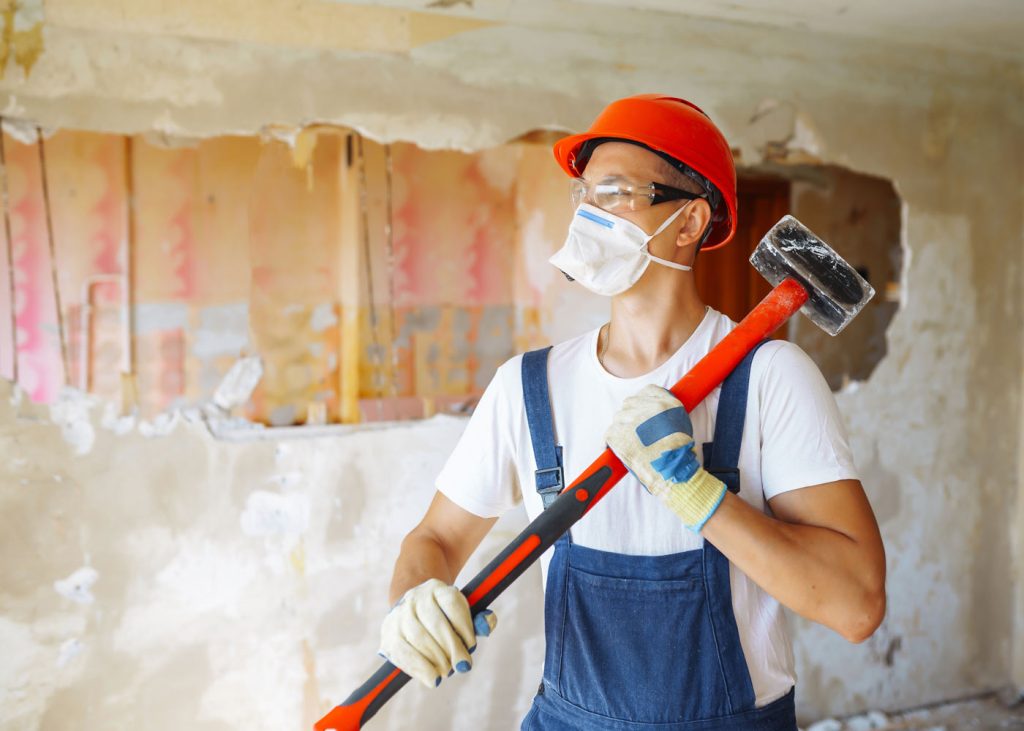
(638, 643)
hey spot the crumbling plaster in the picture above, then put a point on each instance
(237, 630)
(155, 577)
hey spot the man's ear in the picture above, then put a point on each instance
(697, 219)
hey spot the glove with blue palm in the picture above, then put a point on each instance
(653, 436)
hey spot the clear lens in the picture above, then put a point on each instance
(612, 194)
(577, 191)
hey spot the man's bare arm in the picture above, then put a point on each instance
(439, 546)
(821, 555)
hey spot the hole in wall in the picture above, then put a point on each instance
(374, 282)
(858, 215)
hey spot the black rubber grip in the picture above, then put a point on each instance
(549, 526)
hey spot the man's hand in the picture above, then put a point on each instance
(652, 435)
(430, 632)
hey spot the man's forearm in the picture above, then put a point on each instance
(421, 558)
(439, 546)
(822, 574)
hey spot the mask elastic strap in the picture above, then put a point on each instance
(665, 225)
(662, 227)
(667, 263)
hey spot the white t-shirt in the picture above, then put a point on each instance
(793, 437)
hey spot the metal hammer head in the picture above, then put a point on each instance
(835, 291)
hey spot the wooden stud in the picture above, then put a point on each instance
(10, 256)
(349, 279)
(129, 387)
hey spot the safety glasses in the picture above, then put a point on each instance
(616, 194)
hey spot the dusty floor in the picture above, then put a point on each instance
(984, 714)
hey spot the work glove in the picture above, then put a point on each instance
(652, 435)
(431, 633)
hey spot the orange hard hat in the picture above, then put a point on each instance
(672, 127)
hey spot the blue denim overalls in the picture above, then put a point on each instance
(638, 643)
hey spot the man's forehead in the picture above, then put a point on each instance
(623, 158)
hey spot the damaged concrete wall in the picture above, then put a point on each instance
(935, 429)
(252, 599)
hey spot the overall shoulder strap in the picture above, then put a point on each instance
(721, 457)
(540, 420)
(722, 454)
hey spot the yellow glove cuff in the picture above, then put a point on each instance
(695, 500)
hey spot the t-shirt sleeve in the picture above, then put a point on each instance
(803, 441)
(480, 474)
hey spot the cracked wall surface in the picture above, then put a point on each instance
(240, 586)
(246, 604)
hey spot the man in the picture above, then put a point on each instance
(662, 606)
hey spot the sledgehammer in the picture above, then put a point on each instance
(806, 274)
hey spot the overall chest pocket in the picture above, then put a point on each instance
(640, 650)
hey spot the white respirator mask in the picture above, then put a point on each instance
(606, 253)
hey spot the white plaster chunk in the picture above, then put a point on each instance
(71, 412)
(239, 382)
(22, 130)
(161, 425)
(867, 721)
(120, 424)
(69, 650)
(78, 586)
